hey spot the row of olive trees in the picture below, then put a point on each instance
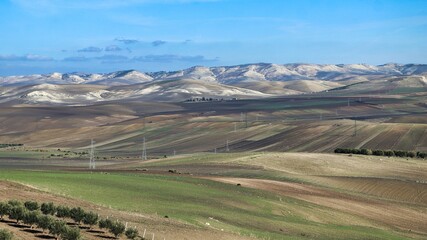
(29, 213)
(117, 228)
(42, 216)
(388, 153)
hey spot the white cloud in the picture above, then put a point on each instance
(25, 58)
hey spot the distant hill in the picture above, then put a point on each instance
(241, 81)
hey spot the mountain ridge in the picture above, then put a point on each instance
(224, 74)
(260, 80)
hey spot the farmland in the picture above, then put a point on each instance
(244, 169)
(281, 196)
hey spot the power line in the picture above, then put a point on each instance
(92, 155)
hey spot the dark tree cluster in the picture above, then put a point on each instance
(377, 152)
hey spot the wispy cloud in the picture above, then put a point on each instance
(25, 58)
(126, 41)
(158, 43)
(174, 58)
(90, 50)
(113, 48)
(76, 59)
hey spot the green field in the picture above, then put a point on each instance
(196, 201)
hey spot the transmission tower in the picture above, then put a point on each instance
(144, 150)
(92, 155)
(227, 149)
(355, 127)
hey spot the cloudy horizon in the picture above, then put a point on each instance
(46, 36)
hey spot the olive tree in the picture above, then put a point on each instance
(77, 214)
(31, 205)
(117, 228)
(44, 222)
(4, 209)
(71, 233)
(90, 219)
(5, 235)
(131, 233)
(48, 208)
(57, 228)
(17, 213)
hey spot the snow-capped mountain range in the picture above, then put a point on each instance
(243, 81)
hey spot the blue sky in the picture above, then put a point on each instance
(42, 36)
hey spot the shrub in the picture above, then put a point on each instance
(378, 152)
(63, 212)
(131, 233)
(421, 155)
(117, 228)
(90, 219)
(31, 205)
(4, 209)
(57, 228)
(5, 235)
(48, 208)
(389, 153)
(77, 214)
(365, 151)
(355, 151)
(44, 222)
(399, 153)
(71, 233)
(411, 154)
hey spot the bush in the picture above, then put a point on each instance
(389, 153)
(355, 151)
(411, 154)
(77, 214)
(63, 212)
(421, 155)
(48, 208)
(4, 209)
(31, 205)
(365, 151)
(71, 233)
(131, 233)
(378, 152)
(117, 228)
(90, 219)
(5, 235)
(399, 153)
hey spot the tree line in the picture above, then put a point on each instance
(52, 219)
(5, 145)
(378, 152)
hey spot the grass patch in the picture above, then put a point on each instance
(197, 201)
